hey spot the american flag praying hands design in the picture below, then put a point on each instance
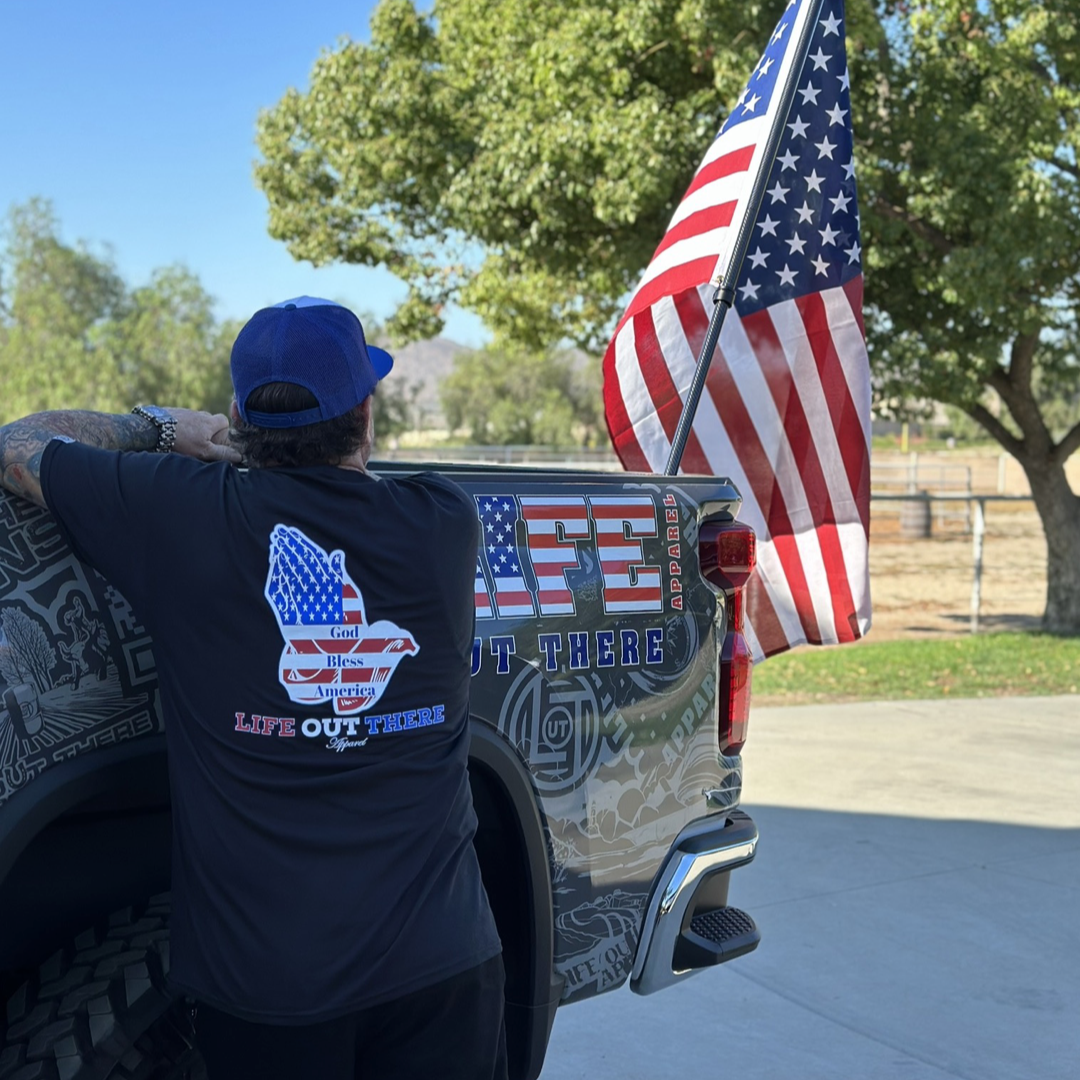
(331, 654)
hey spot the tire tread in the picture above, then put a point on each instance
(102, 1008)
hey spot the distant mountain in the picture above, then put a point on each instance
(421, 367)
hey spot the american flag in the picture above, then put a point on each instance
(553, 523)
(786, 408)
(498, 523)
(330, 653)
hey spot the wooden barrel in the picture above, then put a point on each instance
(915, 519)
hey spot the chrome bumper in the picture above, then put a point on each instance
(705, 849)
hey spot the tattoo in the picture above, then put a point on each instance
(23, 442)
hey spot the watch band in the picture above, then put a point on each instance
(165, 423)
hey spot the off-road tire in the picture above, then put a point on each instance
(100, 1008)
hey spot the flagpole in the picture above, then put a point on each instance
(724, 297)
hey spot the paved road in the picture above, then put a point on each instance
(917, 886)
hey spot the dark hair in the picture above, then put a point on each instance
(328, 442)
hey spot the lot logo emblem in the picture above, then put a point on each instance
(556, 724)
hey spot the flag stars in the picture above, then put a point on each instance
(795, 244)
(845, 80)
(779, 33)
(798, 128)
(836, 114)
(849, 169)
(828, 235)
(840, 202)
(820, 266)
(805, 213)
(763, 68)
(787, 275)
(768, 226)
(749, 290)
(853, 252)
(788, 160)
(825, 148)
(821, 61)
(752, 104)
(809, 93)
(813, 182)
(831, 25)
(759, 258)
(778, 193)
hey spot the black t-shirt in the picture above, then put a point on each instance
(313, 632)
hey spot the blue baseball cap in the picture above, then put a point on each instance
(313, 343)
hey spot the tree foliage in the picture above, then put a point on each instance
(968, 126)
(74, 335)
(968, 130)
(519, 158)
(523, 160)
(508, 395)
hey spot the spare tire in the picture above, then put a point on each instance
(100, 1008)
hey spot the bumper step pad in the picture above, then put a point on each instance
(714, 937)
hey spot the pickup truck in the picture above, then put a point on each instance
(609, 707)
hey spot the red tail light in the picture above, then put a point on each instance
(728, 552)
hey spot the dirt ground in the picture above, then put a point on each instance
(923, 588)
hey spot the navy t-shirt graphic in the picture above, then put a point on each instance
(330, 652)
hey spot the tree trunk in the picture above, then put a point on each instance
(1059, 509)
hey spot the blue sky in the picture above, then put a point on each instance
(137, 120)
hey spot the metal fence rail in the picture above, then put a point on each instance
(978, 532)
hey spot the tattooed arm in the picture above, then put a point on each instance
(22, 442)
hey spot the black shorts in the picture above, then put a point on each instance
(453, 1029)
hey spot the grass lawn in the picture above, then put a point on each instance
(983, 665)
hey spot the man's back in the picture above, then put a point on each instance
(313, 630)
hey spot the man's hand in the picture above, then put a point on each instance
(203, 435)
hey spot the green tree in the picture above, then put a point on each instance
(167, 346)
(395, 409)
(523, 161)
(73, 335)
(968, 125)
(511, 395)
(54, 300)
(520, 158)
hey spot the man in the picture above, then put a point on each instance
(313, 630)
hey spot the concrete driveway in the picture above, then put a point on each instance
(917, 886)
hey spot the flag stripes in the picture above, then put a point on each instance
(553, 523)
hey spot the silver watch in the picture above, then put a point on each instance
(165, 423)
